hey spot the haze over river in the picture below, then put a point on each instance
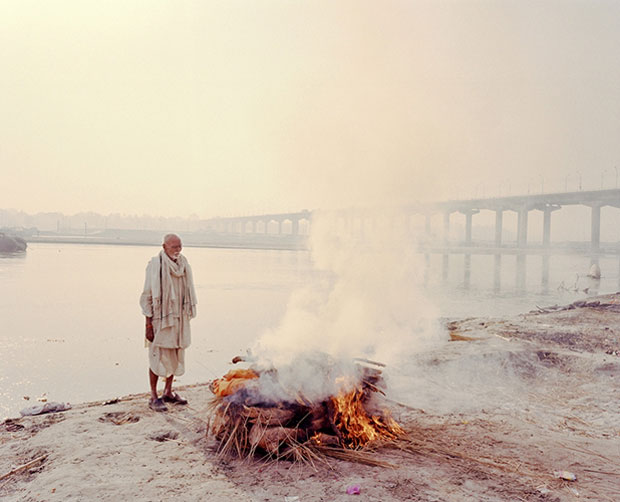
(71, 329)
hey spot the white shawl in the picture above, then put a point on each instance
(165, 303)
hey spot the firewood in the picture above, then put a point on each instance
(331, 416)
(270, 438)
(372, 375)
(364, 360)
(320, 438)
(319, 423)
(244, 421)
(269, 416)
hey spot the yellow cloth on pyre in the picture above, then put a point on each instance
(232, 381)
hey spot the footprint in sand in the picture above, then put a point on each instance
(119, 417)
(164, 436)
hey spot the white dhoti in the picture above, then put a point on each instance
(166, 362)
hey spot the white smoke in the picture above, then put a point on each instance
(365, 303)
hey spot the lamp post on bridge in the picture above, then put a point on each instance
(479, 191)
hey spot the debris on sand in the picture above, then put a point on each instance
(23, 467)
(51, 407)
(565, 475)
(354, 490)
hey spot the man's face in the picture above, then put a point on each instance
(173, 247)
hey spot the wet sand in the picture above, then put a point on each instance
(568, 359)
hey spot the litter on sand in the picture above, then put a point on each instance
(354, 490)
(51, 407)
(566, 475)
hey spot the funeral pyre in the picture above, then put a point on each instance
(255, 411)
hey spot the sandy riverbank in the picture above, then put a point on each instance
(566, 361)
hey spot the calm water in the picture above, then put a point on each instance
(71, 328)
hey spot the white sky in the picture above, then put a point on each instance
(235, 107)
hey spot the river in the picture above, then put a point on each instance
(71, 329)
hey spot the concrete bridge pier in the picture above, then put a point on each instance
(446, 226)
(499, 215)
(468, 224)
(546, 228)
(548, 209)
(522, 227)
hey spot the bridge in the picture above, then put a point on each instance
(522, 205)
(355, 221)
(260, 224)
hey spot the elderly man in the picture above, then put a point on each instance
(169, 302)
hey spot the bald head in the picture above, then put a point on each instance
(168, 237)
(172, 246)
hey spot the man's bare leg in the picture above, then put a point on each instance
(168, 386)
(155, 403)
(169, 396)
(153, 381)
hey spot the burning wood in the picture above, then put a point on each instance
(246, 420)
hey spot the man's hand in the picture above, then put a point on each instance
(150, 335)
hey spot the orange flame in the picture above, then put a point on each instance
(356, 426)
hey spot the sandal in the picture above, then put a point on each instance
(175, 398)
(157, 405)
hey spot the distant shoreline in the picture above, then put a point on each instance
(267, 246)
(290, 243)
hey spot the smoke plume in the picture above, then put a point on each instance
(364, 302)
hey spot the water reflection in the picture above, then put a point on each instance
(467, 271)
(523, 273)
(594, 286)
(497, 273)
(14, 255)
(521, 270)
(545, 273)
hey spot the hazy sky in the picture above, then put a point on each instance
(234, 107)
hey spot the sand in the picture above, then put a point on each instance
(567, 360)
